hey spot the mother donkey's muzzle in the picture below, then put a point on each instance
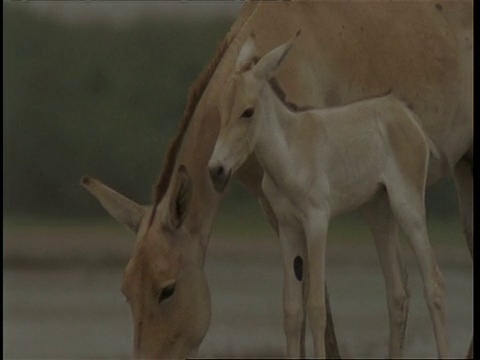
(219, 176)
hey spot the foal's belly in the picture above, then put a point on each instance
(334, 196)
(343, 199)
(351, 178)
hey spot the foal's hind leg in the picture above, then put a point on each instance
(408, 207)
(464, 184)
(384, 228)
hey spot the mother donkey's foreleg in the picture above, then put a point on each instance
(384, 228)
(463, 173)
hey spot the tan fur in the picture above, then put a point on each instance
(347, 51)
(194, 95)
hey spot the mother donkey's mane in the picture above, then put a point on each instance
(194, 95)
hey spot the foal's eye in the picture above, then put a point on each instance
(166, 292)
(248, 113)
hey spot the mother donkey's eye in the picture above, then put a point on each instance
(248, 113)
(166, 292)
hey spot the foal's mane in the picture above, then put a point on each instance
(280, 93)
(278, 90)
(195, 93)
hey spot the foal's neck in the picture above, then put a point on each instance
(275, 140)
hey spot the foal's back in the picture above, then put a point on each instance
(357, 148)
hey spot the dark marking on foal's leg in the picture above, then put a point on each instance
(298, 267)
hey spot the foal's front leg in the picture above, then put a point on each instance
(331, 346)
(316, 235)
(293, 249)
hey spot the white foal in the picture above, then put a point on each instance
(319, 163)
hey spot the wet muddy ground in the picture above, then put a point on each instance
(62, 298)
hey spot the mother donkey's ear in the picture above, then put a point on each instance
(124, 210)
(268, 64)
(180, 198)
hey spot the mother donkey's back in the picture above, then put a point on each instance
(421, 51)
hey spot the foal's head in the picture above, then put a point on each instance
(241, 109)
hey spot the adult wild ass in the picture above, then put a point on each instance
(422, 51)
(317, 164)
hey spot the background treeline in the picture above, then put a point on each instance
(105, 101)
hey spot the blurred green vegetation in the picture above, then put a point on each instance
(106, 101)
(93, 99)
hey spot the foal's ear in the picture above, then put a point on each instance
(124, 210)
(268, 64)
(180, 198)
(246, 54)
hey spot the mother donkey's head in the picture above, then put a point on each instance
(164, 282)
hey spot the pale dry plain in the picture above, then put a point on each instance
(62, 296)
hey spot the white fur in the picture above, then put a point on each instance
(321, 163)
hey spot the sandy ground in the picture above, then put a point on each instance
(62, 297)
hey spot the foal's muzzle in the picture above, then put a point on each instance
(219, 176)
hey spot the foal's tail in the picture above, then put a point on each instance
(433, 149)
